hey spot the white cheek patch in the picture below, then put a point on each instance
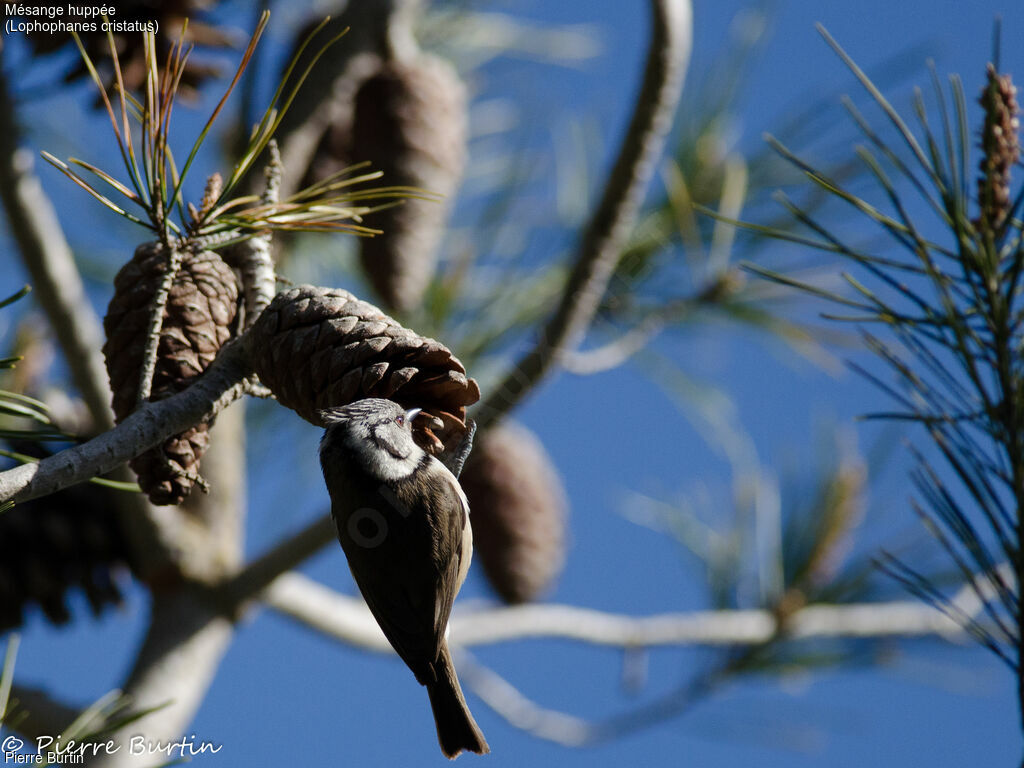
(386, 467)
(378, 463)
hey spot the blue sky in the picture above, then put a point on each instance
(285, 695)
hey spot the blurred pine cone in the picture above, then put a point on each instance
(409, 121)
(133, 15)
(518, 509)
(198, 320)
(320, 347)
(70, 539)
(334, 152)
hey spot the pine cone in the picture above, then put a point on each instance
(168, 15)
(409, 122)
(334, 152)
(198, 319)
(1000, 145)
(518, 509)
(320, 347)
(70, 539)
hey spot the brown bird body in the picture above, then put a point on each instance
(403, 523)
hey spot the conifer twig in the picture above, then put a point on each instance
(220, 385)
(601, 243)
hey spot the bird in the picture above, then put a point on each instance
(403, 523)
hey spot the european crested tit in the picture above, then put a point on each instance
(403, 522)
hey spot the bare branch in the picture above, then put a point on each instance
(348, 619)
(614, 353)
(48, 259)
(282, 557)
(179, 657)
(526, 715)
(311, 603)
(654, 321)
(601, 244)
(710, 628)
(571, 731)
(220, 385)
(187, 638)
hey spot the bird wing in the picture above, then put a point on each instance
(409, 576)
(453, 549)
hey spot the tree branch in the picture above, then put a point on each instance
(571, 731)
(709, 628)
(220, 385)
(282, 557)
(187, 638)
(321, 608)
(616, 352)
(864, 621)
(518, 710)
(347, 619)
(252, 257)
(175, 666)
(48, 259)
(58, 287)
(312, 110)
(601, 244)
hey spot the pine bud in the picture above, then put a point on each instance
(1000, 146)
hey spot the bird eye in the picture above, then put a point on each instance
(400, 421)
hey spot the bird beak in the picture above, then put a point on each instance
(411, 414)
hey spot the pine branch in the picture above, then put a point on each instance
(252, 257)
(953, 314)
(220, 385)
(602, 242)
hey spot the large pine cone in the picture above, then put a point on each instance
(199, 319)
(409, 121)
(70, 539)
(319, 347)
(518, 509)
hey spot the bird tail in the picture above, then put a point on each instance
(456, 728)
